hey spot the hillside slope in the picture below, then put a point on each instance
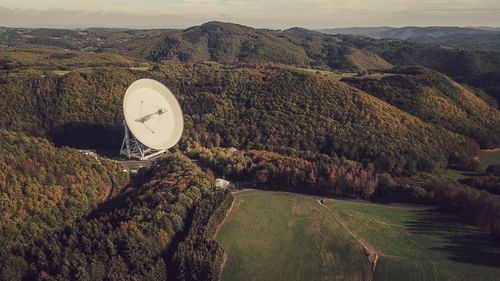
(477, 38)
(233, 43)
(437, 99)
(422, 243)
(263, 106)
(278, 108)
(228, 43)
(131, 237)
(43, 188)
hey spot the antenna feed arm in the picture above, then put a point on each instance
(146, 117)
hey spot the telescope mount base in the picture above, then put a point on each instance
(132, 148)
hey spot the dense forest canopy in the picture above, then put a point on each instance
(253, 106)
(232, 43)
(43, 188)
(435, 98)
(130, 237)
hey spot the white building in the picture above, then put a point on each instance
(222, 183)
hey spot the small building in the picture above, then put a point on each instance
(222, 183)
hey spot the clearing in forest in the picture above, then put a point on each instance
(288, 237)
(278, 236)
(422, 243)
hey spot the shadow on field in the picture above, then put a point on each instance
(461, 242)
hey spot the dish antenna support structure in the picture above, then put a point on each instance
(153, 120)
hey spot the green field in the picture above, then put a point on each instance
(337, 76)
(270, 236)
(288, 237)
(422, 244)
(486, 158)
(458, 174)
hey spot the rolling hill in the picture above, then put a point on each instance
(263, 106)
(437, 99)
(477, 38)
(44, 188)
(233, 43)
(229, 43)
(131, 237)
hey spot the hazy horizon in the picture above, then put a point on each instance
(76, 27)
(314, 14)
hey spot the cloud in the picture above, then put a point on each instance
(58, 18)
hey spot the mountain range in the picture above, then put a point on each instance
(228, 43)
(479, 38)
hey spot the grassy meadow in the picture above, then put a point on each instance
(422, 243)
(288, 237)
(486, 158)
(272, 236)
(337, 76)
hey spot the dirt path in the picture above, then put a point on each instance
(371, 254)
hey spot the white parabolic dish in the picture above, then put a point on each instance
(153, 114)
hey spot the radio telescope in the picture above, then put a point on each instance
(153, 120)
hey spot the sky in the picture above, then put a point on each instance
(278, 14)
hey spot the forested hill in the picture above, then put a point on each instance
(43, 188)
(477, 38)
(437, 99)
(268, 107)
(229, 43)
(233, 43)
(132, 237)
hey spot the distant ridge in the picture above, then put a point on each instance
(482, 38)
(364, 31)
(461, 53)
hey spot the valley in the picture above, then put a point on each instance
(374, 159)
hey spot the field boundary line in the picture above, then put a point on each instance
(229, 214)
(371, 253)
